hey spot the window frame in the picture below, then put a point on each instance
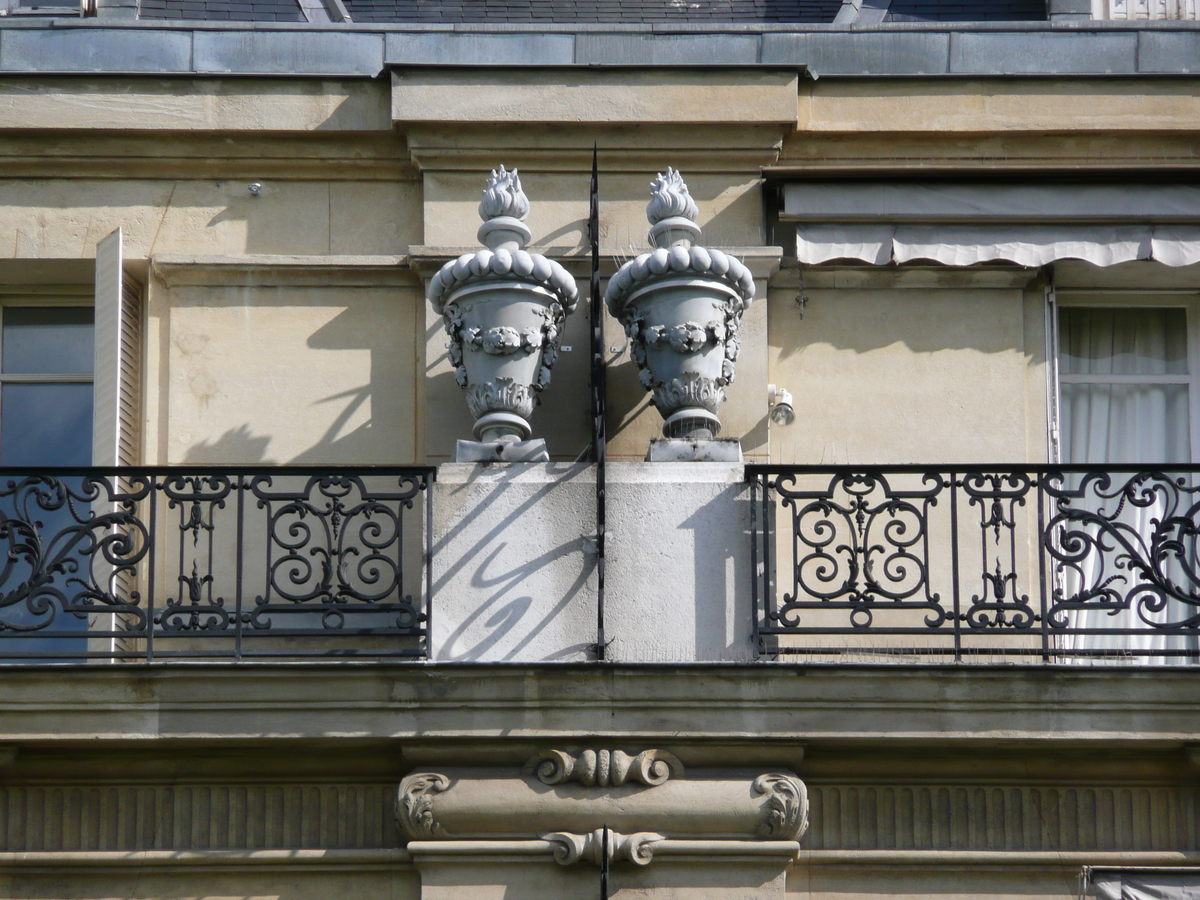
(68, 295)
(1124, 298)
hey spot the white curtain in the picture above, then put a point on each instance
(1138, 417)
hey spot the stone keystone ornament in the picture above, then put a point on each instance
(681, 306)
(504, 309)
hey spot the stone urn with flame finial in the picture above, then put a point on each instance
(504, 309)
(681, 306)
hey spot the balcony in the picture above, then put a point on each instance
(1066, 565)
(214, 563)
(1034, 564)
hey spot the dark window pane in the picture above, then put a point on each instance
(48, 340)
(46, 425)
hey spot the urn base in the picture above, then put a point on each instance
(692, 423)
(725, 450)
(501, 426)
(501, 451)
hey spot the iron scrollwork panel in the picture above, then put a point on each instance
(70, 544)
(336, 548)
(998, 498)
(860, 544)
(193, 603)
(1124, 541)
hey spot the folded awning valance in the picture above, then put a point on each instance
(1025, 245)
(959, 224)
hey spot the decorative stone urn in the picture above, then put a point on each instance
(681, 306)
(504, 310)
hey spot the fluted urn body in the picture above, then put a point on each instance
(504, 310)
(681, 305)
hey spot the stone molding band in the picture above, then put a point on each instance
(553, 846)
(58, 862)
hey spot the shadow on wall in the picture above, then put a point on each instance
(297, 403)
(355, 329)
(237, 445)
(988, 320)
(507, 600)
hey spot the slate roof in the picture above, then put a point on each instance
(593, 11)
(223, 10)
(533, 12)
(966, 11)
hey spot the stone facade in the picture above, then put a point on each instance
(285, 226)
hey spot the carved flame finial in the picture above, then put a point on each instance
(503, 196)
(669, 198)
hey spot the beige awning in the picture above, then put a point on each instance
(962, 223)
(956, 244)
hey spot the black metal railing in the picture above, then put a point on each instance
(214, 562)
(1053, 564)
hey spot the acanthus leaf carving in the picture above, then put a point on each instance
(604, 768)
(502, 393)
(786, 808)
(691, 389)
(414, 804)
(571, 848)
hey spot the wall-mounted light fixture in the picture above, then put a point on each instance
(780, 402)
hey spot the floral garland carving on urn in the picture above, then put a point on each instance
(504, 310)
(681, 305)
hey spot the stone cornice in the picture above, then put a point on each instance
(56, 862)
(761, 261)
(293, 271)
(652, 705)
(218, 49)
(121, 861)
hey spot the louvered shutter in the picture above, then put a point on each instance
(117, 414)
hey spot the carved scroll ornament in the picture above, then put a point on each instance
(786, 810)
(604, 768)
(414, 804)
(571, 848)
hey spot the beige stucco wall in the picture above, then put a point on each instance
(201, 104)
(909, 368)
(997, 105)
(282, 366)
(64, 219)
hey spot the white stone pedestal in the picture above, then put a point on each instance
(512, 581)
(677, 563)
(514, 564)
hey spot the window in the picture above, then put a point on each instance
(1126, 397)
(1124, 385)
(46, 358)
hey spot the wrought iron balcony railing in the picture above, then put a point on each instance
(1050, 564)
(235, 563)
